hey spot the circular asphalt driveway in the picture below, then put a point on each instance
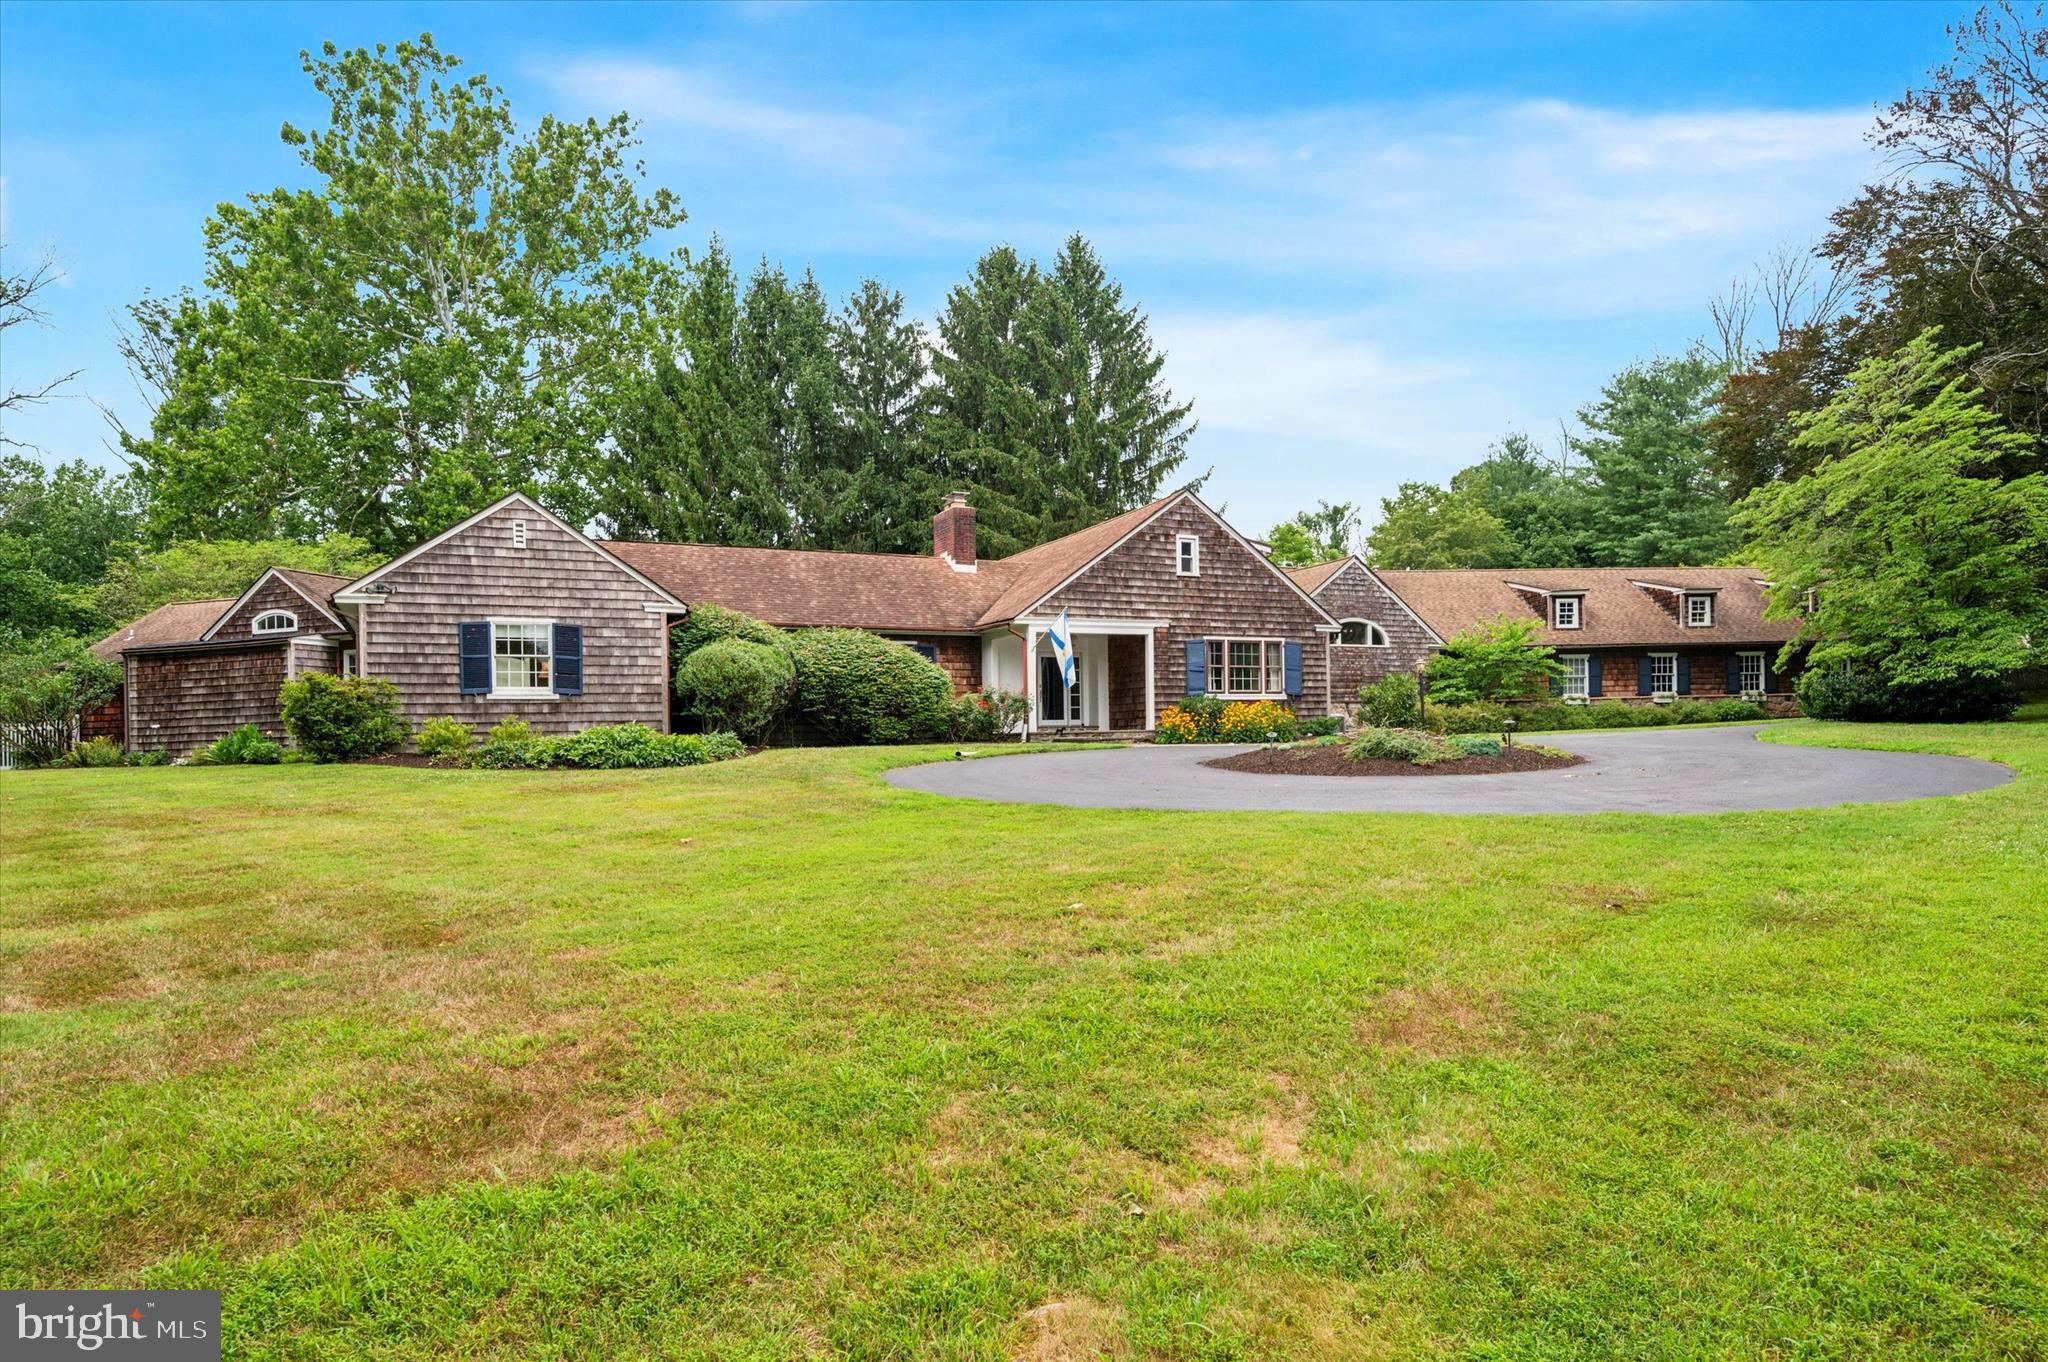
(1668, 770)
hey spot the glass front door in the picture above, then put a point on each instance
(1058, 704)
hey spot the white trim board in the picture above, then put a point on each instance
(243, 600)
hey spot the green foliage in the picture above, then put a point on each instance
(59, 529)
(1329, 531)
(336, 719)
(1390, 702)
(1621, 714)
(46, 681)
(1398, 744)
(985, 715)
(154, 757)
(1866, 697)
(100, 751)
(603, 748)
(1319, 726)
(736, 685)
(709, 623)
(1497, 660)
(861, 688)
(244, 746)
(1476, 745)
(1425, 526)
(1467, 718)
(446, 742)
(1922, 565)
(1540, 504)
(1652, 495)
(441, 310)
(200, 569)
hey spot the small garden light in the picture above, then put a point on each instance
(1507, 732)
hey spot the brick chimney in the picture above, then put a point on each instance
(953, 531)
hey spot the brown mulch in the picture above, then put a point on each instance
(1329, 760)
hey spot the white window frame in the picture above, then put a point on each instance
(290, 625)
(1585, 676)
(547, 692)
(1672, 659)
(1372, 628)
(1187, 555)
(1742, 673)
(1557, 609)
(348, 663)
(1706, 599)
(1270, 672)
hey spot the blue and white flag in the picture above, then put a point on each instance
(1062, 648)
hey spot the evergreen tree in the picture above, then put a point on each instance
(1652, 494)
(1540, 505)
(888, 496)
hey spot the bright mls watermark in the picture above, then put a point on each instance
(162, 1326)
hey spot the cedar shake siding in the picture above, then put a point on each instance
(1352, 593)
(1237, 594)
(180, 701)
(412, 634)
(277, 594)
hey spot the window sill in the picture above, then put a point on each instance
(1362, 645)
(1280, 695)
(523, 695)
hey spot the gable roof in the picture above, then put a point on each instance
(528, 504)
(1618, 610)
(1039, 571)
(315, 588)
(177, 622)
(1312, 577)
(1316, 576)
(804, 587)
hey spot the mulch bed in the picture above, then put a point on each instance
(1329, 760)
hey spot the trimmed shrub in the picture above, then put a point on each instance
(1476, 745)
(708, 624)
(736, 685)
(246, 746)
(1398, 744)
(1389, 702)
(861, 688)
(1321, 726)
(1467, 718)
(337, 719)
(446, 741)
(608, 747)
(985, 715)
(1866, 697)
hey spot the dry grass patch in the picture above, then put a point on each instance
(1075, 1329)
(1437, 1022)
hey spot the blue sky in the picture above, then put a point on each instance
(1372, 239)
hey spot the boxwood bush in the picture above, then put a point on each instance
(337, 719)
(861, 688)
(736, 685)
(607, 747)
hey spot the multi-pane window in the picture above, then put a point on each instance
(1576, 672)
(1750, 668)
(1362, 633)
(520, 654)
(1188, 555)
(275, 622)
(1247, 666)
(1566, 612)
(1663, 672)
(1699, 611)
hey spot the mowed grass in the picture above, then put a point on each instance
(771, 1060)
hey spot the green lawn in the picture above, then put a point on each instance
(769, 1059)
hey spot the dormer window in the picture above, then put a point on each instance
(275, 622)
(1699, 610)
(1564, 612)
(1187, 555)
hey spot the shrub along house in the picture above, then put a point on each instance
(514, 613)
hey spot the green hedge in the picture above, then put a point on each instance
(332, 719)
(1866, 697)
(708, 624)
(861, 688)
(1600, 714)
(736, 685)
(612, 747)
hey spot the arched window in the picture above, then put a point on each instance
(1363, 634)
(275, 622)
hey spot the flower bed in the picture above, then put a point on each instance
(1397, 752)
(1203, 718)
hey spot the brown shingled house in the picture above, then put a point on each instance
(514, 613)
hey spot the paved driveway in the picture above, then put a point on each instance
(1668, 770)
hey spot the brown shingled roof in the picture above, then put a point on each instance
(890, 591)
(178, 622)
(1617, 612)
(1315, 574)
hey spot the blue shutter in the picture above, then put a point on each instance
(568, 662)
(1643, 674)
(1771, 677)
(475, 644)
(1291, 660)
(1684, 674)
(1735, 673)
(1593, 676)
(1198, 667)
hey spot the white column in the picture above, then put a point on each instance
(1151, 678)
(1030, 680)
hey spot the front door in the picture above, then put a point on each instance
(1058, 704)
